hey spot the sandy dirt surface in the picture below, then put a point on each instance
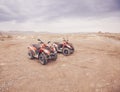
(94, 67)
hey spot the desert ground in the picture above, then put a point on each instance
(93, 67)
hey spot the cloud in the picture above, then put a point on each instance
(25, 10)
(57, 15)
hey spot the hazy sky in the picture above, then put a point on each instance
(60, 15)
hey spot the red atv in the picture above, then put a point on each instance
(42, 51)
(65, 47)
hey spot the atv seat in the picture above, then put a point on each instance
(59, 44)
(37, 46)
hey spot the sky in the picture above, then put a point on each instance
(60, 16)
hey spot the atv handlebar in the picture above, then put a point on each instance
(65, 40)
(49, 42)
(40, 41)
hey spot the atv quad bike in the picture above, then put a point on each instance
(65, 47)
(42, 52)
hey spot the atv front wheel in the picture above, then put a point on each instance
(55, 57)
(42, 58)
(30, 54)
(66, 51)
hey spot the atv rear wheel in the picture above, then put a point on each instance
(42, 58)
(30, 54)
(66, 51)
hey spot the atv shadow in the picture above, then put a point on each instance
(35, 59)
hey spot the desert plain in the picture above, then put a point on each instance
(93, 67)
